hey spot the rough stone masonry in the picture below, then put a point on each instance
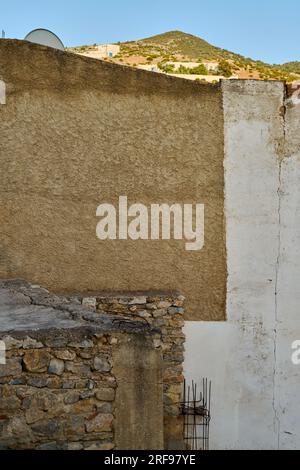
(95, 372)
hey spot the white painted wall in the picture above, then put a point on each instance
(288, 305)
(255, 385)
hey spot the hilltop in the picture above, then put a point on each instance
(291, 67)
(180, 47)
(179, 44)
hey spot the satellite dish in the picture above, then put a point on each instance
(46, 38)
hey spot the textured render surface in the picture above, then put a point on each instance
(255, 385)
(77, 132)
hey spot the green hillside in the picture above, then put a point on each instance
(177, 43)
(177, 46)
(291, 67)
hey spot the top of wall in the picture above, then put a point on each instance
(77, 132)
(34, 66)
(27, 309)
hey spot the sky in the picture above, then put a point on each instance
(260, 29)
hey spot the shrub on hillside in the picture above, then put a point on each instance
(225, 68)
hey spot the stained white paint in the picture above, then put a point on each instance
(288, 306)
(255, 385)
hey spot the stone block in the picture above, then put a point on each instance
(101, 364)
(101, 423)
(71, 397)
(36, 360)
(56, 367)
(12, 367)
(38, 382)
(78, 369)
(138, 300)
(65, 354)
(100, 446)
(89, 302)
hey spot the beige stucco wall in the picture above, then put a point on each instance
(77, 132)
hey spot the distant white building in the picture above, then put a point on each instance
(211, 66)
(102, 51)
(108, 50)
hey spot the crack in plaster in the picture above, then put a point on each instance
(274, 403)
(281, 155)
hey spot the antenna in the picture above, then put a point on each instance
(3, 34)
(45, 38)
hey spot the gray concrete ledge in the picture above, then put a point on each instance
(27, 309)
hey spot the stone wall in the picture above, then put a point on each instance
(89, 372)
(164, 311)
(58, 394)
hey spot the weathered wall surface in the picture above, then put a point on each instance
(54, 398)
(77, 132)
(97, 372)
(136, 367)
(75, 379)
(163, 311)
(255, 384)
(158, 139)
(288, 298)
